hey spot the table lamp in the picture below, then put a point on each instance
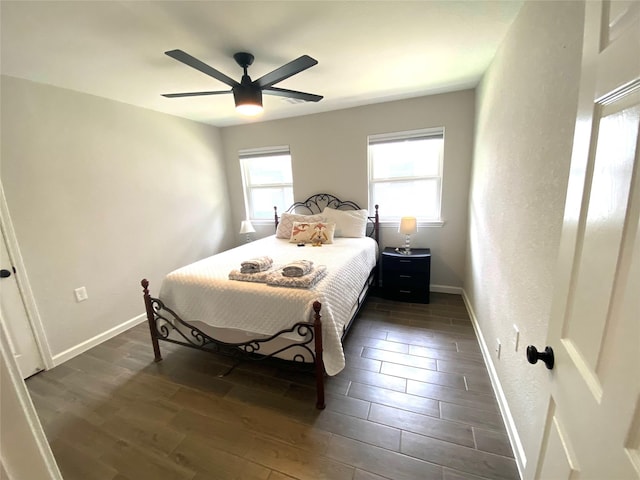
(408, 226)
(247, 228)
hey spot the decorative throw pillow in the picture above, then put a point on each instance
(286, 223)
(303, 232)
(349, 223)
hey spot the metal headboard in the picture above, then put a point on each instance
(316, 204)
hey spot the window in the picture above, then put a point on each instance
(267, 180)
(405, 173)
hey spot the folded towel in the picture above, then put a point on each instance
(297, 268)
(257, 264)
(278, 279)
(259, 277)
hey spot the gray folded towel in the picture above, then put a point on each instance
(257, 277)
(257, 264)
(278, 279)
(297, 268)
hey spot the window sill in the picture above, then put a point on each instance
(421, 223)
(262, 222)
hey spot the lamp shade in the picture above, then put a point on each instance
(246, 227)
(408, 225)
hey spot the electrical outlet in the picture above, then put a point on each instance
(516, 337)
(498, 348)
(81, 294)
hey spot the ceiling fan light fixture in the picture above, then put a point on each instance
(248, 100)
(249, 109)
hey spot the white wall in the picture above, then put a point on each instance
(526, 106)
(329, 153)
(102, 194)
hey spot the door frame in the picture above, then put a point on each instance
(32, 453)
(31, 309)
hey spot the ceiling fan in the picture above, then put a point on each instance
(248, 93)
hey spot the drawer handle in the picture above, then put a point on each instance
(405, 261)
(405, 291)
(404, 276)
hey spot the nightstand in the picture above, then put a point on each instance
(406, 277)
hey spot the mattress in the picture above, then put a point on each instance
(202, 292)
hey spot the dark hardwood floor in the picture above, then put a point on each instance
(414, 402)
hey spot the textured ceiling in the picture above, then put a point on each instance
(368, 51)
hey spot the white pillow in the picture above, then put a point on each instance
(309, 232)
(285, 224)
(349, 223)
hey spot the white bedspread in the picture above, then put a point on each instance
(202, 291)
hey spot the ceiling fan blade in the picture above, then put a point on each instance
(195, 94)
(283, 92)
(286, 71)
(201, 66)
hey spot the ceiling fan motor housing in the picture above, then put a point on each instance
(247, 93)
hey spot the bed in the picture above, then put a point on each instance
(208, 305)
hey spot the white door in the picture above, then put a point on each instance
(14, 315)
(592, 428)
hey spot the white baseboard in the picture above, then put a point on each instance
(512, 432)
(97, 340)
(445, 289)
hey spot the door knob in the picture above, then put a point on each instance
(533, 355)
(5, 273)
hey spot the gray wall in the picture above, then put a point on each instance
(102, 194)
(329, 154)
(526, 107)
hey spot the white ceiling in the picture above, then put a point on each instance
(367, 51)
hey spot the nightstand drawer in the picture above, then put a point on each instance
(407, 264)
(413, 295)
(402, 278)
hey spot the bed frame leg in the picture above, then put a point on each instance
(151, 320)
(317, 335)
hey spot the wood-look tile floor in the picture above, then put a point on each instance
(414, 402)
